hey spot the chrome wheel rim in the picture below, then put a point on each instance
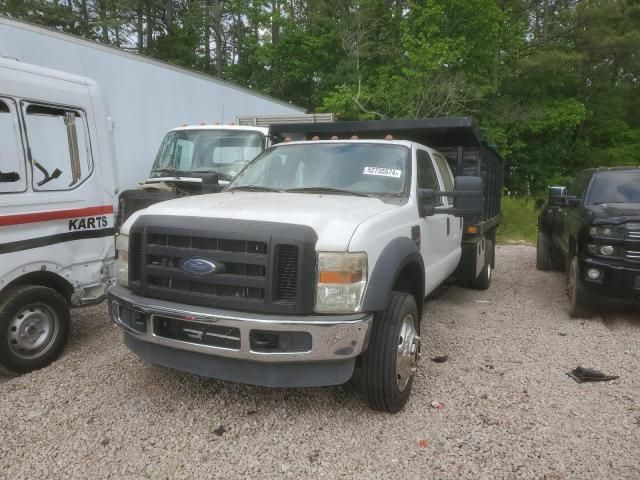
(33, 330)
(407, 354)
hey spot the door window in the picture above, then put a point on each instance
(580, 184)
(427, 177)
(12, 166)
(58, 146)
(445, 174)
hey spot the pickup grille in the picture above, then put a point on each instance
(632, 243)
(257, 270)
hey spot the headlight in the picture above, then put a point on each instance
(341, 281)
(604, 250)
(122, 263)
(607, 232)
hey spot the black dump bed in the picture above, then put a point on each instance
(457, 138)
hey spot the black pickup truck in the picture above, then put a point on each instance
(591, 229)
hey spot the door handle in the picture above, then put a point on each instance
(448, 226)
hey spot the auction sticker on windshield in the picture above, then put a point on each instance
(382, 172)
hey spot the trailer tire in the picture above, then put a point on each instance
(34, 327)
(389, 363)
(483, 281)
(544, 253)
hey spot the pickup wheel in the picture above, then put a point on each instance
(34, 327)
(544, 253)
(390, 361)
(578, 304)
(483, 281)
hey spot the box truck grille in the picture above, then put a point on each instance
(255, 270)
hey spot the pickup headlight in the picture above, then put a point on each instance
(340, 282)
(605, 250)
(613, 233)
(122, 262)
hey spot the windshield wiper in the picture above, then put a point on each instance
(254, 188)
(171, 170)
(326, 190)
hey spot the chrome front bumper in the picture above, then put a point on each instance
(333, 338)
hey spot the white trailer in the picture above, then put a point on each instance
(146, 97)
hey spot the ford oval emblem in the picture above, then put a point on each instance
(201, 267)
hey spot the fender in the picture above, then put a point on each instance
(396, 255)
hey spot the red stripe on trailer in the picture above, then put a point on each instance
(22, 218)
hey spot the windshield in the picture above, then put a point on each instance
(359, 168)
(225, 152)
(615, 187)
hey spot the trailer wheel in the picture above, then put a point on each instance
(544, 253)
(34, 327)
(483, 281)
(578, 304)
(390, 361)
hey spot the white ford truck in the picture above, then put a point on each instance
(316, 259)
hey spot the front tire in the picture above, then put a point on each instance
(390, 361)
(34, 327)
(544, 253)
(578, 304)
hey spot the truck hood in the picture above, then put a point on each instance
(615, 213)
(333, 217)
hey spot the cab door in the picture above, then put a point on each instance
(435, 230)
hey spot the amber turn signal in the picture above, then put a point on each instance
(340, 277)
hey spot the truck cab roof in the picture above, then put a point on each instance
(237, 128)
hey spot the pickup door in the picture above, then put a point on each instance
(571, 219)
(440, 233)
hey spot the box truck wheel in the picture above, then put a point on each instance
(390, 361)
(34, 327)
(483, 280)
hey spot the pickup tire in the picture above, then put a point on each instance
(544, 253)
(483, 281)
(578, 303)
(34, 327)
(389, 363)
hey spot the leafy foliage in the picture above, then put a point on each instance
(555, 83)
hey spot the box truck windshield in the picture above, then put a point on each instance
(184, 152)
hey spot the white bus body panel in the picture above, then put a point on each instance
(66, 232)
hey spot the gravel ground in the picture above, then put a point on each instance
(509, 409)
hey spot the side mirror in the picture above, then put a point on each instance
(571, 201)
(557, 195)
(468, 198)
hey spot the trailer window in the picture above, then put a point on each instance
(427, 177)
(58, 146)
(12, 171)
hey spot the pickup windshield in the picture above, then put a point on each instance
(222, 151)
(331, 168)
(615, 187)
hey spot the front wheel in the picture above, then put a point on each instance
(578, 304)
(544, 253)
(390, 362)
(34, 327)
